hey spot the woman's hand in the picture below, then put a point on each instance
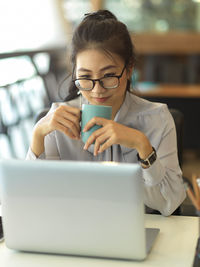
(65, 119)
(114, 133)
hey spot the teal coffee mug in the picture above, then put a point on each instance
(90, 111)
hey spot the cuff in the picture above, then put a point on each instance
(154, 174)
(31, 156)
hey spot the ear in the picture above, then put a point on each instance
(129, 71)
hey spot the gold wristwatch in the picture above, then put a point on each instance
(149, 160)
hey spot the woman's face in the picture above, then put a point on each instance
(95, 64)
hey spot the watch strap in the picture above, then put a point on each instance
(149, 160)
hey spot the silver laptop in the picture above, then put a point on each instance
(75, 208)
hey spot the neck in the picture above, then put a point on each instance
(117, 107)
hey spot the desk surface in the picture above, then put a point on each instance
(174, 246)
(170, 91)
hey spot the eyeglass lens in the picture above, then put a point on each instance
(107, 83)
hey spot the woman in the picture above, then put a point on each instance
(140, 131)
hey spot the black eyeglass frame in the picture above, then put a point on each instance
(100, 81)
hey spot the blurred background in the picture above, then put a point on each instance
(34, 60)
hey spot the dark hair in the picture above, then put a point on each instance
(101, 30)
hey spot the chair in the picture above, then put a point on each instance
(41, 114)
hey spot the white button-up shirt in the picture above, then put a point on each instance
(164, 190)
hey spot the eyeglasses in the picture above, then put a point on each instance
(109, 82)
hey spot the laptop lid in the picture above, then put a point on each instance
(76, 208)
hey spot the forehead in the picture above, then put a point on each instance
(97, 59)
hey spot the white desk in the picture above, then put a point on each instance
(174, 246)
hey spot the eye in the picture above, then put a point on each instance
(109, 74)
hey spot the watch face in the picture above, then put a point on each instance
(152, 158)
(145, 162)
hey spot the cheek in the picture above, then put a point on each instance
(85, 94)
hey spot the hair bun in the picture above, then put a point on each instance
(100, 15)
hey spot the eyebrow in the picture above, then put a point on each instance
(102, 69)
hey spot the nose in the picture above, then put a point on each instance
(98, 88)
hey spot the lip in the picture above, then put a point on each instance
(101, 99)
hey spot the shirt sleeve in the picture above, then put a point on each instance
(31, 156)
(164, 190)
(51, 150)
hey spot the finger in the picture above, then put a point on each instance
(95, 121)
(72, 118)
(93, 137)
(65, 130)
(109, 142)
(196, 187)
(73, 110)
(69, 125)
(67, 112)
(61, 112)
(99, 142)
